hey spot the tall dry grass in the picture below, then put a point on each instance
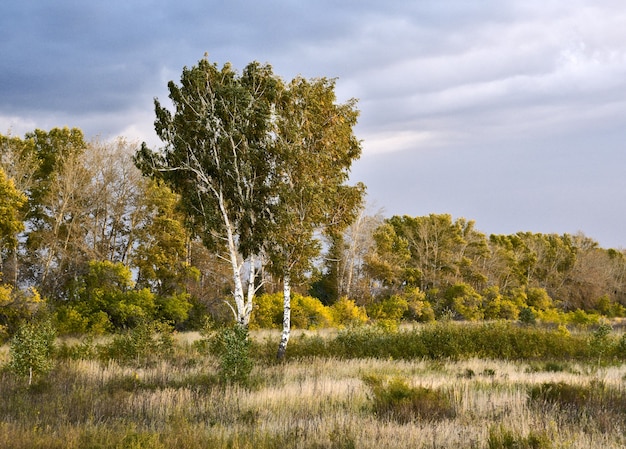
(312, 402)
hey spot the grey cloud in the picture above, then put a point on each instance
(463, 103)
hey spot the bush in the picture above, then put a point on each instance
(500, 438)
(267, 312)
(232, 346)
(419, 309)
(346, 313)
(538, 298)
(31, 350)
(173, 309)
(309, 313)
(389, 309)
(464, 301)
(147, 342)
(397, 401)
(527, 316)
(306, 312)
(582, 318)
(601, 343)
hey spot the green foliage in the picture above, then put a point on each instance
(419, 309)
(450, 340)
(396, 400)
(428, 252)
(501, 438)
(173, 309)
(146, 343)
(601, 343)
(538, 298)
(232, 346)
(107, 301)
(581, 318)
(527, 316)
(464, 301)
(161, 255)
(267, 311)
(31, 350)
(390, 309)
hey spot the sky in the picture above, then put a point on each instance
(510, 113)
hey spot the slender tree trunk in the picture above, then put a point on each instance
(241, 316)
(251, 289)
(284, 339)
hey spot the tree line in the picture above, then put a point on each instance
(248, 197)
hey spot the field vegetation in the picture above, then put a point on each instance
(439, 385)
(147, 296)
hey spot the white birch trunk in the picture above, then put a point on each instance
(284, 339)
(239, 311)
(251, 290)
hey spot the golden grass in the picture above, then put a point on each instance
(309, 403)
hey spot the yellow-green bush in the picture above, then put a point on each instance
(465, 301)
(396, 400)
(392, 308)
(306, 312)
(538, 298)
(345, 312)
(267, 312)
(309, 313)
(498, 307)
(419, 309)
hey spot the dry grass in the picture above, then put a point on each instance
(309, 403)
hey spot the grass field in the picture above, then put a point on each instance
(316, 402)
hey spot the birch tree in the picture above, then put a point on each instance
(316, 147)
(218, 156)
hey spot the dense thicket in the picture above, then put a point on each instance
(84, 236)
(460, 272)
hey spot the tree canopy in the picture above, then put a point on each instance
(259, 163)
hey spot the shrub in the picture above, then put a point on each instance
(173, 309)
(309, 313)
(527, 316)
(397, 401)
(267, 312)
(419, 309)
(346, 313)
(31, 350)
(601, 343)
(464, 301)
(500, 438)
(70, 321)
(232, 346)
(145, 343)
(389, 309)
(582, 318)
(538, 298)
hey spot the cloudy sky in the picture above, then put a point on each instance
(508, 112)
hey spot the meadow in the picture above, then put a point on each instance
(434, 386)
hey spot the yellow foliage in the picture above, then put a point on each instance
(345, 312)
(306, 312)
(17, 306)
